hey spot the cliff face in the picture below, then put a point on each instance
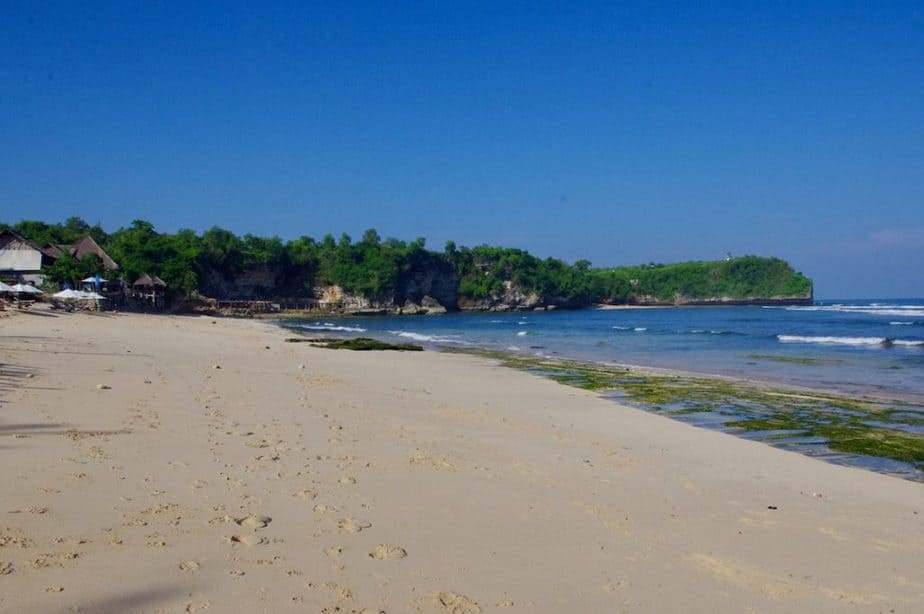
(433, 279)
(432, 285)
(510, 298)
(253, 284)
(680, 301)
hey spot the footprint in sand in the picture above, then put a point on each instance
(53, 560)
(352, 525)
(306, 494)
(456, 603)
(383, 552)
(347, 479)
(334, 551)
(15, 540)
(247, 540)
(5, 568)
(253, 522)
(189, 566)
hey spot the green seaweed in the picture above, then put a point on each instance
(365, 344)
(905, 447)
(854, 425)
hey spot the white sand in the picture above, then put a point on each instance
(411, 482)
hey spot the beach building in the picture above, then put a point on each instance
(80, 250)
(112, 289)
(150, 290)
(22, 259)
(87, 246)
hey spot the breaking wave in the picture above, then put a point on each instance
(877, 309)
(331, 327)
(427, 338)
(860, 341)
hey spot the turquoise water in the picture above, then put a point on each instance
(870, 348)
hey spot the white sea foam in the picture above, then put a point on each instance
(522, 333)
(876, 309)
(513, 348)
(640, 329)
(909, 342)
(833, 340)
(427, 338)
(332, 327)
(623, 327)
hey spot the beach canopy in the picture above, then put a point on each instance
(67, 294)
(26, 288)
(6, 288)
(89, 279)
(79, 295)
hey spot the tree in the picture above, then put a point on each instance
(65, 270)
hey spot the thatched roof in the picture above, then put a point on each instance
(9, 237)
(87, 246)
(147, 281)
(56, 251)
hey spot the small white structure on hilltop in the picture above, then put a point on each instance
(728, 256)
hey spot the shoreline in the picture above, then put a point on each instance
(220, 467)
(696, 391)
(387, 312)
(768, 382)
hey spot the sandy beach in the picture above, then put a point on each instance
(184, 464)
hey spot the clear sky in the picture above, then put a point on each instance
(617, 132)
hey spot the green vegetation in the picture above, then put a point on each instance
(869, 427)
(382, 270)
(739, 279)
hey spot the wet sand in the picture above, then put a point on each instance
(171, 464)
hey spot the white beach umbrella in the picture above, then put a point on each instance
(28, 289)
(67, 294)
(92, 296)
(6, 288)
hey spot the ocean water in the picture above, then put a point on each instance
(855, 347)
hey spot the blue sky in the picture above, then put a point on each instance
(621, 134)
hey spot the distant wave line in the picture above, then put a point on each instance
(427, 338)
(859, 341)
(875, 309)
(329, 326)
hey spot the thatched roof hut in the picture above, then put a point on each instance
(146, 281)
(87, 246)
